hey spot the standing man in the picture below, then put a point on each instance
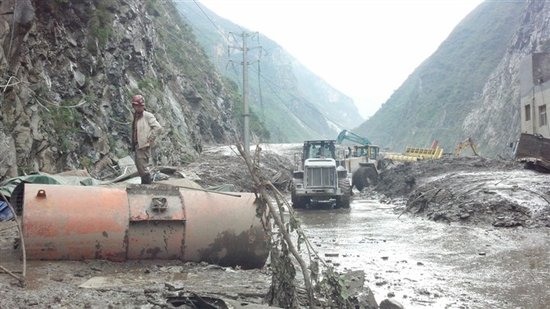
(145, 129)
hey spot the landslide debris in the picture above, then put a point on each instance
(224, 167)
(470, 189)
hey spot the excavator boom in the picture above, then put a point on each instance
(348, 135)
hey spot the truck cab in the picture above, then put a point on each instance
(318, 180)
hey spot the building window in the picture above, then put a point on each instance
(542, 115)
(527, 112)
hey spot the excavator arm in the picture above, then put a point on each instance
(465, 144)
(350, 136)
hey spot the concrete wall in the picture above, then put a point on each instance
(535, 94)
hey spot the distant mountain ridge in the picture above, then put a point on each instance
(468, 87)
(294, 104)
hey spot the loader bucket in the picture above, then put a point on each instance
(142, 222)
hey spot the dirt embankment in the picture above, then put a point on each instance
(471, 189)
(223, 166)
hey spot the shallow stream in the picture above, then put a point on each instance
(425, 264)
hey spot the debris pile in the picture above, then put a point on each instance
(471, 189)
(224, 166)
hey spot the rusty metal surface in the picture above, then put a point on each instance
(74, 222)
(223, 230)
(533, 146)
(535, 150)
(143, 222)
(157, 222)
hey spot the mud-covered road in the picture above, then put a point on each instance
(464, 232)
(456, 233)
(426, 264)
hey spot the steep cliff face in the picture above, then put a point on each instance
(68, 70)
(467, 88)
(496, 121)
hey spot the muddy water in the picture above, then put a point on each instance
(424, 264)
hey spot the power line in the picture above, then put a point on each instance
(273, 85)
(199, 6)
(260, 75)
(220, 31)
(259, 80)
(246, 115)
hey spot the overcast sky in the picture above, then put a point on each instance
(364, 48)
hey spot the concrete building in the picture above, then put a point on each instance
(535, 94)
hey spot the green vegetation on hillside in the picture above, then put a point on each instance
(434, 101)
(183, 59)
(297, 103)
(100, 24)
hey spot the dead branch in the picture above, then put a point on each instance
(261, 185)
(543, 196)
(11, 274)
(9, 84)
(418, 197)
(309, 246)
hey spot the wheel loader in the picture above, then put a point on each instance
(363, 161)
(319, 180)
(364, 164)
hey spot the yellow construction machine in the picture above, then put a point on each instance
(363, 161)
(465, 144)
(416, 153)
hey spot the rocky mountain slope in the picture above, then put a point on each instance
(496, 121)
(469, 86)
(68, 71)
(298, 103)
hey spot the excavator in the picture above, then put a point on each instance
(465, 144)
(363, 161)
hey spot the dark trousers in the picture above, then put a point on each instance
(143, 156)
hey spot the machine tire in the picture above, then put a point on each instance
(297, 202)
(344, 200)
(372, 175)
(359, 178)
(365, 176)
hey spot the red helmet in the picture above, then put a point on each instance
(138, 100)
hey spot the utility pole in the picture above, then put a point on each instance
(246, 110)
(246, 114)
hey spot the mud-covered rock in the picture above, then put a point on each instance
(471, 190)
(390, 303)
(219, 166)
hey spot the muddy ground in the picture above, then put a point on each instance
(470, 190)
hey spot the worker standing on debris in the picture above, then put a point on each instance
(145, 129)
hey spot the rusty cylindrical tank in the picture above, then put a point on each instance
(142, 222)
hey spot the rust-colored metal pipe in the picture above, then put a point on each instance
(142, 222)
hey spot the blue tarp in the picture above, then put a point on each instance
(5, 212)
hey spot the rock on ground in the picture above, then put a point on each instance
(219, 166)
(471, 189)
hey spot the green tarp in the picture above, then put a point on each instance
(7, 186)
